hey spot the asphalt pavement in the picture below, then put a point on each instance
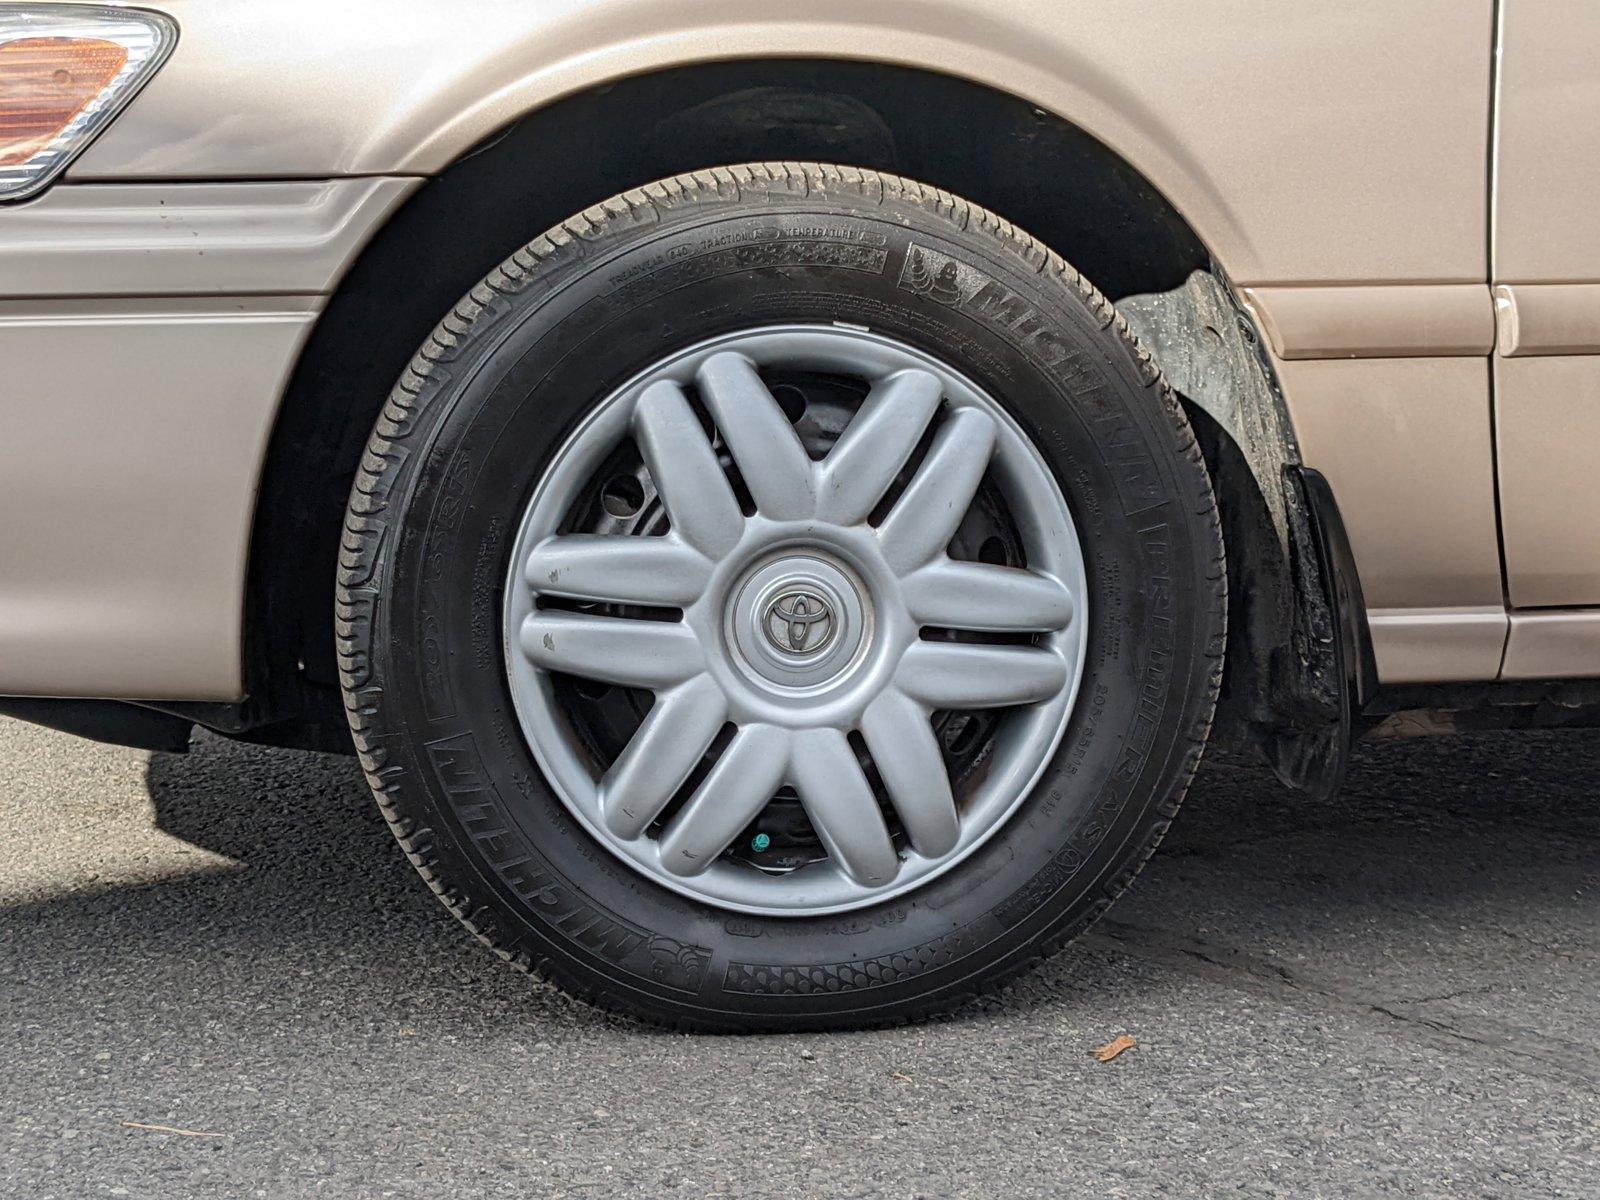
(219, 977)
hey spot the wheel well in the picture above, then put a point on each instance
(1031, 167)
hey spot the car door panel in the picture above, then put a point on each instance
(1546, 266)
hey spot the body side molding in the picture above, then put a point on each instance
(1381, 321)
(1547, 318)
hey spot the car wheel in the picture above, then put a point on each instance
(781, 596)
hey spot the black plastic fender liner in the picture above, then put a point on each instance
(1299, 666)
(1313, 757)
(1353, 637)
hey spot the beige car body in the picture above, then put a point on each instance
(1401, 195)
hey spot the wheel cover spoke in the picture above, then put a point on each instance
(900, 739)
(659, 571)
(642, 654)
(986, 599)
(700, 503)
(731, 796)
(663, 751)
(924, 519)
(862, 465)
(799, 654)
(841, 806)
(765, 446)
(960, 675)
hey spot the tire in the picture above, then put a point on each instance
(506, 380)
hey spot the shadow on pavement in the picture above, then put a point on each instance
(1445, 864)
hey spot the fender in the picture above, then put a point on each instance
(1253, 127)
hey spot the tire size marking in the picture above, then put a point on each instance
(485, 576)
(673, 269)
(1157, 640)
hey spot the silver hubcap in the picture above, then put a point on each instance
(808, 643)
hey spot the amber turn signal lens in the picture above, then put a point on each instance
(66, 71)
(44, 83)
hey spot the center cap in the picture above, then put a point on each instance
(798, 621)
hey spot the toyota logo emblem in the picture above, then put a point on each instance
(799, 622)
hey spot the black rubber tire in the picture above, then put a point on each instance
(498, 385)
